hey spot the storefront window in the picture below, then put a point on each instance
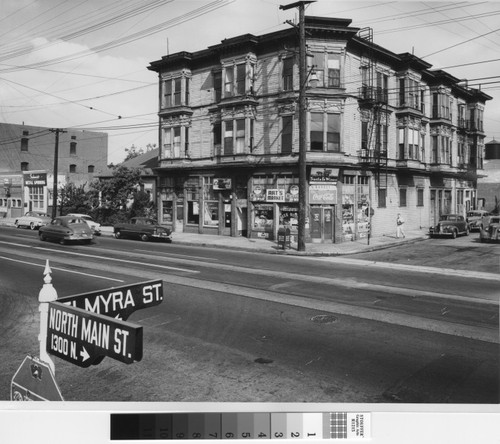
(211, 203)
(348, 228)
(263, 216)
(289, 215)
(168, 211)
(37, 198)
(363, 206)
(193, 198)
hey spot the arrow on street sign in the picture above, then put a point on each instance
(34, 381)
(119, 302)
(82, 337)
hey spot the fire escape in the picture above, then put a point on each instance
(373, 101)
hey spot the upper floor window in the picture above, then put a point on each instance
(175, 142)
(217, 79)
(72, 148)
(410, 95)
(476, 119)
(25, 166)
(440, 106)
(286, 134)
(237, 80)
(237, 136)
(175, 92)
(325, 132)
(287, 74)
(24, 141)
(72, 168)
(327, 69)
(90, 169)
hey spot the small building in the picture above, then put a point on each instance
(27, 164)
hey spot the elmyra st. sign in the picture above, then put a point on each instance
(119, 302)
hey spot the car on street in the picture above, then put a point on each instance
(66, 229)
(450, 225)
(33, 220)
(94, 226)
(491, 232)
(476, 219)
(144, 228)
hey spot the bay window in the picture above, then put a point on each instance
(237, 136)
(175, 92)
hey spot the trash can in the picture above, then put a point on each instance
(284, 237)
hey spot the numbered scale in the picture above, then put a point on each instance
(248, 425)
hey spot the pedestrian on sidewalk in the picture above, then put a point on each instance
(399, 226)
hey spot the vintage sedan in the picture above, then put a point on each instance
(143, 228)
(450, 225)
(491, 232)
(33, 220)
(66, 229)
(94, 226)
(477, 219)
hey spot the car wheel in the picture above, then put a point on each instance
(42, 237)
(144, 237)
(118, 235)
(454, 234)
(32, 226)
(62, 241)
(17, 225)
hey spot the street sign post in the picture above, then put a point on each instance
(82, 337)
(119, 302)
(34, 381)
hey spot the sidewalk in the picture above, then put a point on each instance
(266, 246)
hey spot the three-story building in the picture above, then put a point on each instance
(385, 135)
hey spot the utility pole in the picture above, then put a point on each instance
(301, 241)
(56, 166)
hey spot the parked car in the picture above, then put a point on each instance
(476, 219)
(94, 226)
(450, 225)
(143, 228)
(65, 229)
(33, 220)
(491, 232)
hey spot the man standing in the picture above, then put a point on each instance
(399, 226)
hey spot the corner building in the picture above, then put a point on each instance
(385, 135)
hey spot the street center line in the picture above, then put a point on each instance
(62, 269)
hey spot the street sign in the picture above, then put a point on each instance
(82, 337)
(119, 302)
(34, 381)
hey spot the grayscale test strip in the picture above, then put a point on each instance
(237, 426)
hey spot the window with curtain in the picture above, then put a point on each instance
(286, 134)
(287, 74)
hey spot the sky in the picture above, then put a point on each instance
(82, 64)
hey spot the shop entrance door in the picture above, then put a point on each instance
(322, 224)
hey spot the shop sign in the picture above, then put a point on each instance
(222, 184)
(323, 194)
(275, 195)
(293, 194)
(324, 175)
(35, 179)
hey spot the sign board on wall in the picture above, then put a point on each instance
(35, 179)
(222, 184)
(275, 195)
(324, 175)
(323, 194)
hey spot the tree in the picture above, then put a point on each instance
(115, 194)
(133, 151)
(74, 199)
(142, 205)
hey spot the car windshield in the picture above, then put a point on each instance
(474, 213)
(449, 217)
(75, 220)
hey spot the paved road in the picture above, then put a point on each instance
(248, 327)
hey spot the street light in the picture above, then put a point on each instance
(301, 235)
